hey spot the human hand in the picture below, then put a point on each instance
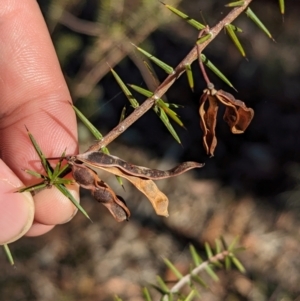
(33, 92)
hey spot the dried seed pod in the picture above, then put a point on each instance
(102, 195)
(88, 179)
(84, 176)
(115, 204)
(101, 160)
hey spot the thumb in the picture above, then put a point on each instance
(16, 209)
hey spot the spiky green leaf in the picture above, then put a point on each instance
(95, 131)
(146, 294)
(218, 246)
(168, 69)
(233, 243)
(171, 266)
(141, 90)
(281, 6)
(162, 285)
(8, 254)
(67, 193)
(235, 28)
(249, 12)
(208, 250)
(238, 264)
(170, 112)
(204, 38)
(47, 167)
(190, 296)
(126, 91)
(215, 70)
(235, 4)
(58, 165)
(35, 187)
(195, 256)
(199, 280)
(189, 20)
(227, 263)
(164, 118)
(159, 111)
(88, 124)
(189, 75)
(34, 173)
(211, 273)
(235, 39)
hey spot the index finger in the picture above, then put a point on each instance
(33, 92)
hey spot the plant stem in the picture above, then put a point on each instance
(187, 278)
(168, 82)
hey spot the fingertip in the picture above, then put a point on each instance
(16, 209)
(52, 207)
(38, 229)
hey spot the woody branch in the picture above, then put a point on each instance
(168, 82)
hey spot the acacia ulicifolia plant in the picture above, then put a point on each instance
(237, 116)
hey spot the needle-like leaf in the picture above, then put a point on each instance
(281, 6)
(172, 267)
(238, 264)
(216, 71)
(249, 12)
(161, 109)
(8, 254)
(47, 167)
(190, 296)
(196, 258)
(235, 4)
(67, 193)
(168, 69)
(126, 91)
(95, 131)
(162, 285)
(189, 75)
(51, 178)
(146, 294)
(211, 273)
(235, 39)
(189, 20)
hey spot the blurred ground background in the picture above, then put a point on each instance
(250, 188)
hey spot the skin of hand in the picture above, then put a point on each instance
(33, 92)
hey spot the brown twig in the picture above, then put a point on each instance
(79, 25)
(168, 82)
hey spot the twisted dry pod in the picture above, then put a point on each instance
(99, 159)
(88, 179)
(141, 177)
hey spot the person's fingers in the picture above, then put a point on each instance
(17, 209)
(39, 229)
(43, 206)
(33, 92)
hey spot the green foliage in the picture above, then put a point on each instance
(182, 15)
(235, 39)
(8, 254)
(256, 20)
(161, 108)
(52, 177)
(187, 286)
(218, 257)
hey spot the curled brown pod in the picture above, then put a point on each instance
(88, 179)
(101, 160)
(115, 204)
